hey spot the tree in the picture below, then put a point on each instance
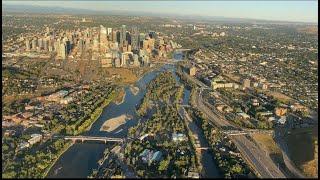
(236, 169)
(163, 166)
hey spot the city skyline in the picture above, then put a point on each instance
(296, 11)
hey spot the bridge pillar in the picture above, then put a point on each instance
(82, 140)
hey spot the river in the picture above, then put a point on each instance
(81, 158)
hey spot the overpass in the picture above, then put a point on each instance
(182, 49)
(90, 138)
(246, 131)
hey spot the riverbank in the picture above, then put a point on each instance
(74, 166)
(96, 114)
(112, 124)
(67, 146)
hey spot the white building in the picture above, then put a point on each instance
(35, 138)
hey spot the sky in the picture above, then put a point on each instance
(298, 11)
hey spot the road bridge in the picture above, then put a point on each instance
(90, 138)
(182, 49)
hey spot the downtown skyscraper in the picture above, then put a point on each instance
(123, 32)
(135, 38)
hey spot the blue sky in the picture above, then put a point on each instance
(304, 10)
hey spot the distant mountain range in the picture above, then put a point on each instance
(6, 8)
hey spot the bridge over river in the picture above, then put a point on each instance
(90, 138)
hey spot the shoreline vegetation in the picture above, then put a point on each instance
(96, 114)
(113, 123)
(62, 151)
(86, 126)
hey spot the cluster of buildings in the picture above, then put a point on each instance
(176, 137)
(35, 138)
(113, 48)
(149, 156)
(40, 110)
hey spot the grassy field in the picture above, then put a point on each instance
(266, 141)
(301, 144)
(310, 169)
(279, 96)
(127, 76)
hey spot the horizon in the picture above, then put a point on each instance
(288, 11)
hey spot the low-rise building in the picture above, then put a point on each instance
(23, 145)
(244, 115)
(178, 137)
(143, 137)
(157, 156)
(35, 138)
(146, 155)
(66, 100)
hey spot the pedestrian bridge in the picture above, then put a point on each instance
(90, 138)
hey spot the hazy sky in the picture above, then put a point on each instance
(303, 10)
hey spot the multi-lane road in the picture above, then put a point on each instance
(253, 154)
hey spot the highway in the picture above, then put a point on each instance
(252, 153)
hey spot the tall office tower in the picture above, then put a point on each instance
(129, 48)
(96, 43)
(34, 44)
(151, 43)
(145, 44)
(63, 50)
(136, 60)
(81, 45)
(40, 43)
(56, 47)
(117, 62)
(48, 30)
(135, 38)
(118, 37)
(122, 35)
(103, 35)
(45, 44)
(28, 45)
(153, 35)
(109, 31)
(88, 33)
(140, 39)
(114, 36)
(87, 43)
(50, 48)
(68, 46)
